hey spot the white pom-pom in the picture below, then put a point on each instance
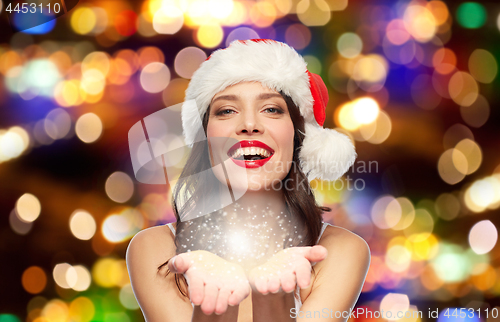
(326, 154)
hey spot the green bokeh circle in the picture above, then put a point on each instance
(471, 15)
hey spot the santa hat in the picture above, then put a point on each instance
(325, 153)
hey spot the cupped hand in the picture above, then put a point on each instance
(213, 282)
(286, 269)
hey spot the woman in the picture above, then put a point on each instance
(262, 113)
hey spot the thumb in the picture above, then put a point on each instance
(177, 264)
(316, 253)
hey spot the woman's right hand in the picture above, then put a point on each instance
(213, 282)
(286, 269)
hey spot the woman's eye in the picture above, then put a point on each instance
(274, 110)
(225, 112)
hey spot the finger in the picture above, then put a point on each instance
(239, 294)
(261, 284)
(273, 284)
(316, 253)
(288, 281)
(222, 300)
(303, 274)
(210, 298)
(178, 264)
(196, 288)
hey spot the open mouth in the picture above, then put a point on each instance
(250, 153)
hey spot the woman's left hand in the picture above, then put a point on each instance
(213, 283)
(286, 269)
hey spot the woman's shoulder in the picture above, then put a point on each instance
(157, 242)
(155, 290)
(155, 233)
(342, 241)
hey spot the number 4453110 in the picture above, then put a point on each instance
(33, 7)
(463, 313)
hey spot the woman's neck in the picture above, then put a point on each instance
(272, 201)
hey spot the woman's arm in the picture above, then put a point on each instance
(157, 294)
(339, 278)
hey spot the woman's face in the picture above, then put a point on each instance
(258, 151)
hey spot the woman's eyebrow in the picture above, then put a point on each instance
(261, 96)
(264, 96)
(226, 97)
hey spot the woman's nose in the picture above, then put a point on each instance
(250, 124)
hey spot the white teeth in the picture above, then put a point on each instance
(251, 151)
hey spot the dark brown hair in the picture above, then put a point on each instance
(299, 199)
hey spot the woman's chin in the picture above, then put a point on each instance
(258, 183)
(242, 184)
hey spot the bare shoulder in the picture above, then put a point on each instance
(342, 242)
(157, 242)
(155, 290)
(344, 247)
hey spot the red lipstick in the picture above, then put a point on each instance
(250, 144)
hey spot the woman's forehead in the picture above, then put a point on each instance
(243, 89)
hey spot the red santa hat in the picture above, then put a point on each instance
(325, 153)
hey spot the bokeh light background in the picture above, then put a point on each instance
(415, 84)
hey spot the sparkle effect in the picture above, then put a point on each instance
(246, 236)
